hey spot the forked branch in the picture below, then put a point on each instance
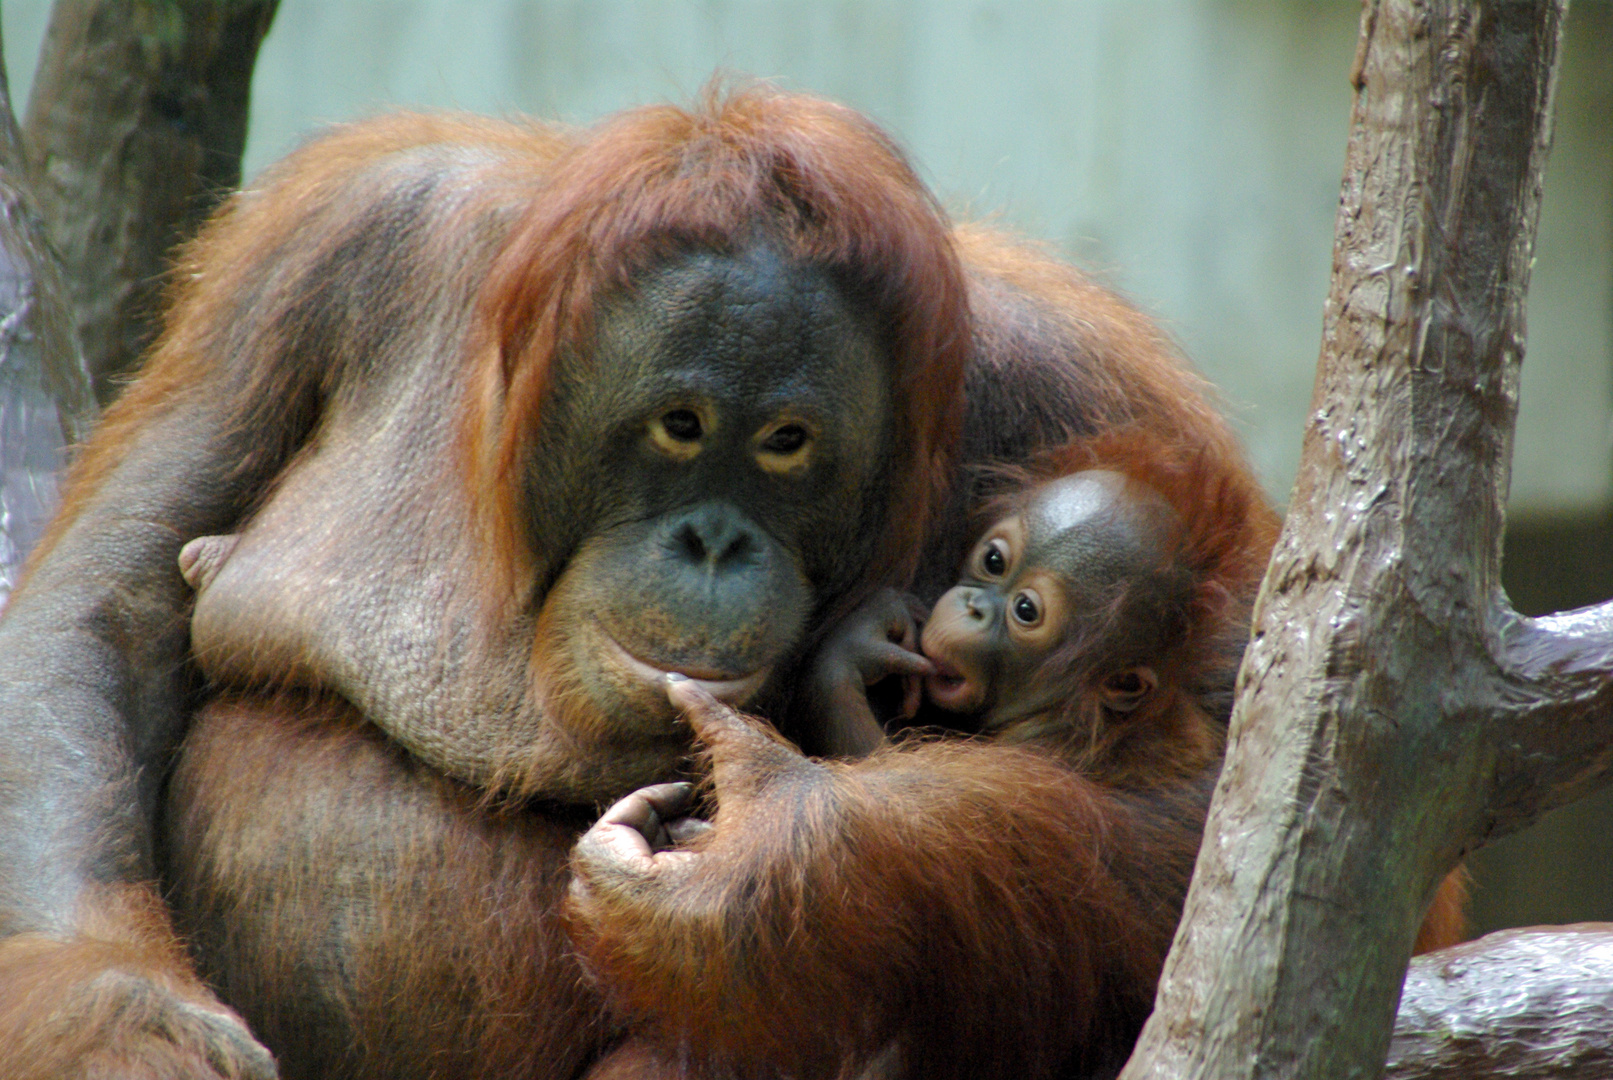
(1393, 713)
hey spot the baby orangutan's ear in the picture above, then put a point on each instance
(1124, 690)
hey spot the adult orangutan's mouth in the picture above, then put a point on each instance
(722, 685)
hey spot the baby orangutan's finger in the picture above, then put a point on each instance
(892, 659)
(912, 696)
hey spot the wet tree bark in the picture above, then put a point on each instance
(1394, 713)
(134, 131)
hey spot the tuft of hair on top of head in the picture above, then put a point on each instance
(1222, 544)
(745, 163)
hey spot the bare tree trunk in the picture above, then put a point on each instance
(1393, 713)
(134, 131)
(45, 398)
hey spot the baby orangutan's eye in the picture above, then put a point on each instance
(993, 561)
(1027, 612)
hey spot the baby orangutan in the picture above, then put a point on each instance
(1065, 605)
(1081, 623)
(1090, 648)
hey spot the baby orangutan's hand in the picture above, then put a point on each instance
(875, 642)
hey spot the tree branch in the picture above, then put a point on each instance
(1533, 1004)
(134, 131)
(1371, 743)
(1557, 745)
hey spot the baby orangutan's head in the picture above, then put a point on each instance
(1080, 571)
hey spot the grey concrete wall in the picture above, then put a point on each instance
(1189, 150)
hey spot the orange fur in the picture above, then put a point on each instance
(816, 179)
(1445, 923)
(113, 998)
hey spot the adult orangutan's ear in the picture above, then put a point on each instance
(1125, 690)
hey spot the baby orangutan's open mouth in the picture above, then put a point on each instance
(953, 690)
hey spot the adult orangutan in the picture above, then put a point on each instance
(509, 423)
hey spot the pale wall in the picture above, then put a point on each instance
(1190, 150)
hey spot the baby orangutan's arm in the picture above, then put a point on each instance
(876, 641)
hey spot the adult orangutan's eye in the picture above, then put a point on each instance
(993, 561)
(785, 450)
(682, 424)
(1027, 612)
(677, 433)
(786, 440)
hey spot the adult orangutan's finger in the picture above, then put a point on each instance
(634, 828)
(745, 753)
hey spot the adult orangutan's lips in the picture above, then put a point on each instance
(719, 684)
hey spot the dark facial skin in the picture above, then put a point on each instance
(1030, 580)
(742, 422)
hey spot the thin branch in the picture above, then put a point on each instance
(46, 403)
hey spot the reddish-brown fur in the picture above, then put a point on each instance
(1445, 923)
(968, 909)
(216, 271)
(123, 936)
(297, 828)
(451, 956)
(658, 181)
(950, 908)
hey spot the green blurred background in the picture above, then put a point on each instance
(1189, 151)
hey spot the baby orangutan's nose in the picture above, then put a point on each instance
(978, 605)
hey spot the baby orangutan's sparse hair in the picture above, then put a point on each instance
(1102, 611)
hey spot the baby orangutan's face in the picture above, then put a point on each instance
(1001, 620)
(1072, 546)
